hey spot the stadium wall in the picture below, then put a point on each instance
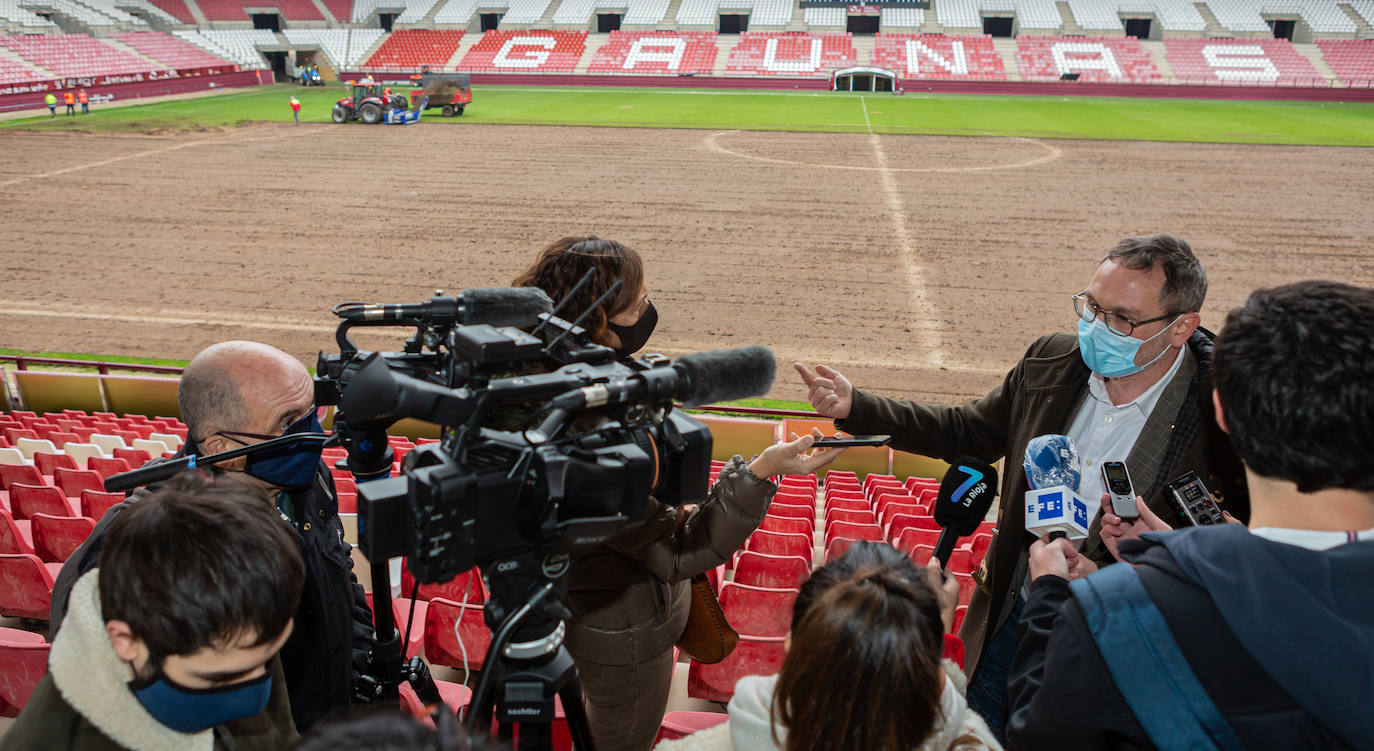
(559, 79)
(115, 88)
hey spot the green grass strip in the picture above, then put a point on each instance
(1132, 119)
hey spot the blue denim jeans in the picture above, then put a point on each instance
(987, 692)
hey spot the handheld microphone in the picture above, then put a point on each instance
(1053, 506)
(496, 306)
(965, 496)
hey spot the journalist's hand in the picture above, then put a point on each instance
(1056, 557)
(793, 457)
(1115, 529)
(948, 588)
(831, 394)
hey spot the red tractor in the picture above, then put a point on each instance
(369, 102)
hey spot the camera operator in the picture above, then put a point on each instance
(1133, 385)
(238, 393)
(630, 596)
(170, 644)
(1223, 637)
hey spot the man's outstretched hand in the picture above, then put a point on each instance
(831, 394)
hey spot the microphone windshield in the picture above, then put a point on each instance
(966, 494)
(505, 306)
(1052, 460)
(725, 374)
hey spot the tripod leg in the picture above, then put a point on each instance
(535, 736)
(578, 726)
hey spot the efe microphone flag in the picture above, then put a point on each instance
(1052, 503)
(966, 494)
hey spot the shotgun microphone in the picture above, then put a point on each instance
(965, 496)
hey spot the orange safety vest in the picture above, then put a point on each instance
(81, 96)
(69, 98)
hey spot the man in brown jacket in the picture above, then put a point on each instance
(1134, 385)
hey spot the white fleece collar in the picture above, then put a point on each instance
(92, 678)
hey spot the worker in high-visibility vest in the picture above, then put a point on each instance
(69, 99)
(51, 101)
(85, 102)
(296, 109)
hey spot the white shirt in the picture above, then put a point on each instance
(1105, 432)
(1312, 539)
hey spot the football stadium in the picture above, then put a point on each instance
(593, 509)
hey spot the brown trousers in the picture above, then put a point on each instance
(625, 703)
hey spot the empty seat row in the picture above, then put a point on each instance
(661, 52)
(790, 54)
(1230, 61)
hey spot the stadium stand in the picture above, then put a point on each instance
(526, 51)
(169, 50)
(12, 72)
(411, 48)
(415, 10)
(1271, 62)
(662, 52)
(901, 18)
(1106, 15)
(821, 18)
(967, 14)
(341, 10)
(23, 661)
(1365, 9)
(517, 11)
(1352, 60)
(1093, 58)
(237, 45)
(75, 55)
(939, 56)
(234, 10)
(697, 12)
(22, 19)
(645, 11)
(176, 9)
(344, 48)
(1244, 16)
(769, 53)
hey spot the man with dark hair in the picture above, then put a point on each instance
(171, 642)
(238, 393)
(1133, 385)
(1223, 637)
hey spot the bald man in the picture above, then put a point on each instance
(238, 393)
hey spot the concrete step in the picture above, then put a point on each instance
(1069, 26)
(594, 43)
(1007, 49)
(470, 40)
(725, 44)
(122, 47)
(14, 57)
(864, 45)
(329, 18)
(373, 49)
(1362, 28)
(1160, 55)
(670, 16)
(201, 21)
(1214, 29)
(1314, 53)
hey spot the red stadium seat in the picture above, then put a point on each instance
(757, 611)
(773, 543)
(979, 548)
(791, 511)
(455, 696)
(26, 474)
(443, 646)
(135, 457)
(847, 505)
(452, 590)
(23, 663)
(904, 521)
(55, 538)
(95, 503)
(772, 571)
(922, 553)
(107, 467)
(26, 586)
(657, 52)
(795, 498)
(681, 724)
(790, 54)
(863, 516)
(788, 525)
(755, 655)
(73, 481)
(910, 537)
(892, 510)
(853, 531)
(16, 537)
(27, 500)
(46, 462)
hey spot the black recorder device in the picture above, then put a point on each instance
(1119, 490)
(1194, 501)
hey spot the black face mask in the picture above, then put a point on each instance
(634, 337)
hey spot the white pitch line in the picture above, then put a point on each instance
(169, 320)
(126, 157)
(928, 343)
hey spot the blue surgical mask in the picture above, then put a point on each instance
(190, 710)
(1110, 355)
(293, 465)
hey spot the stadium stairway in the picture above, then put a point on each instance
(723, 54)
(1214, 29)
(593, 43)
(14, 57)
(122, 47)
(864, 45)
(1363, 29)
(428, 21)
(376, 45)
(201, 21)
(468, 41)
(1314, 53)
(329, 18)
(1069, 25)
(1161, 58)
(546, 20)
(1007, 49)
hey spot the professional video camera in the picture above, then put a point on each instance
(549, 445)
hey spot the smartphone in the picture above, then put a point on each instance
(853, 440)
(1117, 481)
(1194, 501)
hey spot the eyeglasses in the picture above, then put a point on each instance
(302, 425)
(1088, 309)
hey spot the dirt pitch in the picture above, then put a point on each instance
(921, 266)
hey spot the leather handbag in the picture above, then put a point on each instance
(708, 638)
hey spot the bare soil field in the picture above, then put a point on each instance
(920, 266)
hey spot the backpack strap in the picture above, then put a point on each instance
(1146, 664)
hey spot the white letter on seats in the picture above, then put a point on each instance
(771, 62)
(670, 54)
(957, 64)
(1240, 62)
(532, 59)
(1104, 60)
